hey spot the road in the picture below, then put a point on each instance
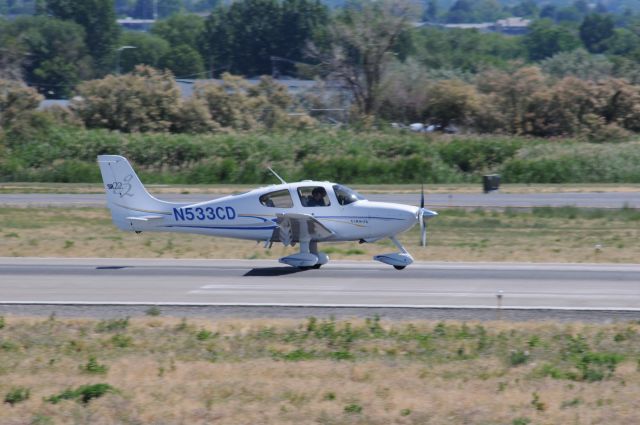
(344, 284)
(464, 200)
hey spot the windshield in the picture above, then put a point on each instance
(345, 195)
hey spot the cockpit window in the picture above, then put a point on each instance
(345, 195)
(313, 196)
(278, 199)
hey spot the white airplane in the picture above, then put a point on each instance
(306, 213)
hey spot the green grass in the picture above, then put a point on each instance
(65, 154)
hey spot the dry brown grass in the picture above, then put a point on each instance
(168, 376)
(454, 236)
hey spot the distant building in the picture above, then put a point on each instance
(482, 27)
(136, 24)
(294, 86)
(509, 26)
(512, 26)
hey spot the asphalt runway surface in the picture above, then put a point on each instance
(263, 283)
(464, 200)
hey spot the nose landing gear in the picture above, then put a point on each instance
(399, 260)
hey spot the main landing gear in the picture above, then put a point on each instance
(399, 260)
(308, 257)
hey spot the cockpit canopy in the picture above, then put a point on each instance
(310, 196)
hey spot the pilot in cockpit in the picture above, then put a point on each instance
(317, 197)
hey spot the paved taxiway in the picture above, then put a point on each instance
(260, 282)
(463, 200)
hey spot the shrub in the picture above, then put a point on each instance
(144, 100)
(298, 355)
(342, 355)
(17, 395)
(203, 335)
(518, 357)
(83, 394)
(330, 396)
(597, 366)
(353, 408)
(94, 367)
(112, 325)
(15, 100)
(537, 404)
(121, 341)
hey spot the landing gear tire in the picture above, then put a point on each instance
(399, 267)
(317, 266)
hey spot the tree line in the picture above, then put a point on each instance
(391, 69)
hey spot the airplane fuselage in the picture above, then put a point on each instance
(243, 216)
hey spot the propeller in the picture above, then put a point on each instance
(424, 215)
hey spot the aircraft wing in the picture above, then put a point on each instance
(292, 225)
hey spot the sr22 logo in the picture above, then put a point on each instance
(121, 188)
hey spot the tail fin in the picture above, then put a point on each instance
(126, 196)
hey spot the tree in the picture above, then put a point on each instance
(474, 11)
(545, 39)
(452, 101)
(548, 11)
(149, 50)
(568, 14)
(180, 29)
(431, 12)
(581, 6)
(98, 19)
(509, 96)
(362, 40)
(12, 53)
(526, 8)
(183, 61)
(247, 36)
(624, 43)
(465, 50)
(405, 92)
(156, 9)
(578, 63)
(595, 30)
(56, 58)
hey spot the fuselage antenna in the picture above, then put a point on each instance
(276, 174)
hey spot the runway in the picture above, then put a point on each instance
(337, 284)
(458, 200)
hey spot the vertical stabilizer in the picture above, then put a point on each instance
(126, 196)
